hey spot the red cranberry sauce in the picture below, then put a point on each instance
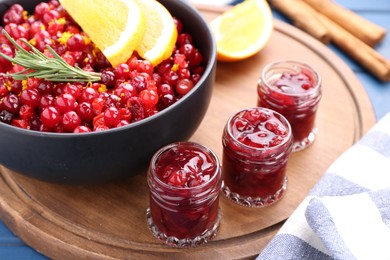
(256, 144)
(184, 190)
(185, 167)
(134, 89)
(295, 96)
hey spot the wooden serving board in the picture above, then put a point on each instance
(108, 221)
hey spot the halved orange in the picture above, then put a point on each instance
(115, 26)
(161, 34)
(242, 31)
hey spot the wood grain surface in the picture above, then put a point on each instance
(108, 221)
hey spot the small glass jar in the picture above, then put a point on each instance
(184, 180)
(293, 89)
(257, 143)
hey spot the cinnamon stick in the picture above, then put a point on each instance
(357, 49)
(368, 32)
(303, 17)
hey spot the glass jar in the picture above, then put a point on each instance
(184, 180)
(293, 89)
(256, 145)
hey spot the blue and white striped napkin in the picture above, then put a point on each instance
(347, 213)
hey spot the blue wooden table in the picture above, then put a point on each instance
(378, 11)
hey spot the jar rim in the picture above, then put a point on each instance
(280, 117)
(152, 166)
(290, 65)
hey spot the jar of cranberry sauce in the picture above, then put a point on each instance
(256, 145)
(184, 180)
(294, 90)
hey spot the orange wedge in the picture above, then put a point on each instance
(161, 34)
(115, 26)
(242, 31)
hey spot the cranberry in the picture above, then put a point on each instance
(14, 15)
(183, 86)
(108, 77)
(85, 111)
(7, 50)
(77, 43)
(149, 98)
(88, 95)
(70, 120)
(65, 102)
(41, 9)
(11, 103)
(21, 123)
(82, 129)
(184, 38)
(50, 117)
(30, 97)
(6, 117)
(16, 31)
(46, 100)
(26, 112)
(111, 117)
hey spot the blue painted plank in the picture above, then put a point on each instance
(358, 5)
(21, 252)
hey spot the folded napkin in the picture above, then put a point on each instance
(347, 213)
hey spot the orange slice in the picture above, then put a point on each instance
(242, 31)
(115, 26)
(161, 34)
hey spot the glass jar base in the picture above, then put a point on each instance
(299, 146)
(255, 202)
(185, 242)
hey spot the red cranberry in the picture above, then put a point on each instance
(111, 116)
(11, 103)
(65, 102)
(14, 15)
(183, 86)
(70, 120)
(30, 97)
(50, 117)
(82, 129)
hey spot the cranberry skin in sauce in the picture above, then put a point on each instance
(294, 90)
(184, 180)
(256, 145)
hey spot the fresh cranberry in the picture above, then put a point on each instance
(82, 129)
(30, 97)
(41, 9)
(85, 111)
(65, 102)
(183, 86)
(6, 117)
(149, 98)
(70, 120)
(26, 112)
(77, 43)
(50, 117)
(11, 103)
(46, 100)
(14, 15)
(111, 117)
(88, 95)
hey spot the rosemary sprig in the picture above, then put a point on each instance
(37, 65)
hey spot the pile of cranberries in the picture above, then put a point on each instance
(128, 93)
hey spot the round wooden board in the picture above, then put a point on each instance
(108, 221)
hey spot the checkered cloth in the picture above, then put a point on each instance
(347, 213)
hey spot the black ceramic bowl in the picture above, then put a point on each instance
(98, 157)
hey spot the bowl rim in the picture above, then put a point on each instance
(210, 66)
